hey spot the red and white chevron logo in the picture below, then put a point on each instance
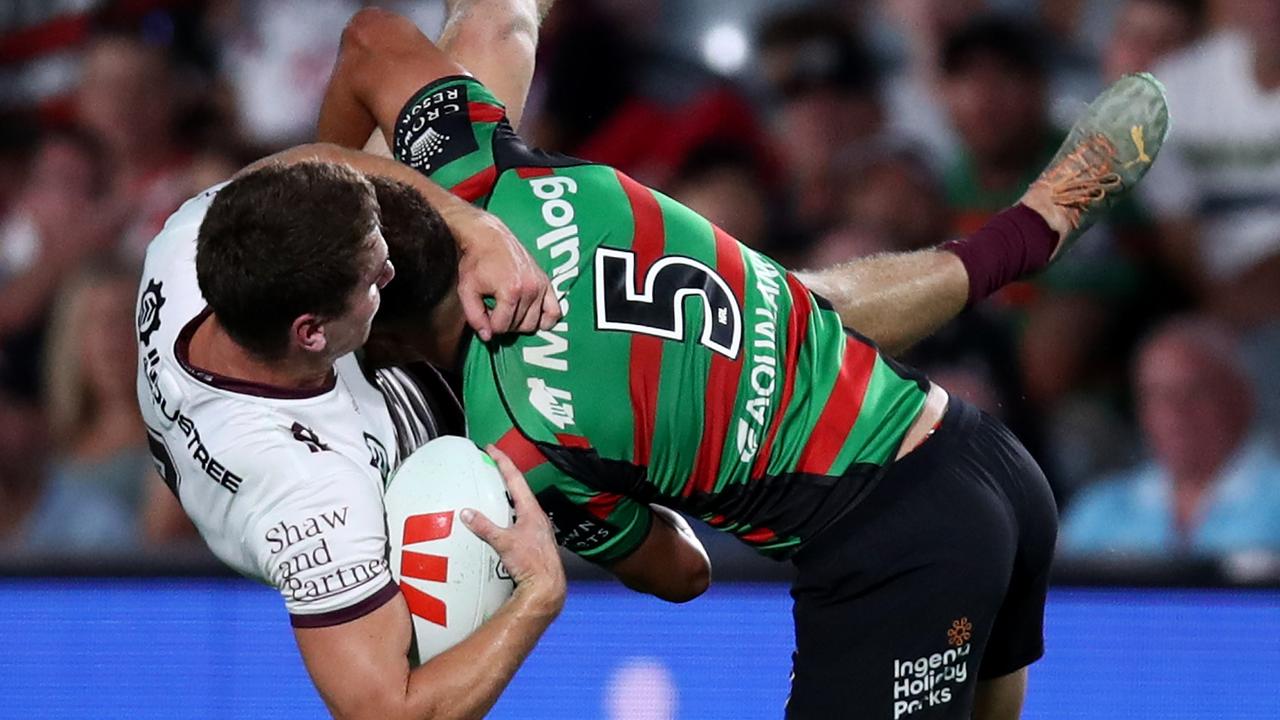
(424, 566)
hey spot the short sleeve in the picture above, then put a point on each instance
(446, 131)
(323, 546)
(602, 527)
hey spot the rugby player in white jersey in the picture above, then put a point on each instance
(278, 442)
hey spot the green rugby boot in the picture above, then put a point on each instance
(1108, 151)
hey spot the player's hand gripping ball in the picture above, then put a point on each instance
(452, 580)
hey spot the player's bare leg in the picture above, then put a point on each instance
(897, 299)
(1001, 698)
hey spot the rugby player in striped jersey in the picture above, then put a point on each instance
(691, 373)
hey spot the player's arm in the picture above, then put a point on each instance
(670, 564)
(898, 299)
(651, 549)
(384, 60)
(493, 262)
(361, 669)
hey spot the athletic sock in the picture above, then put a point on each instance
(1014, 243)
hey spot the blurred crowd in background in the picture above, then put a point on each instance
(1143, 370)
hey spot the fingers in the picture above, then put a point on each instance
(475, 312)
(502, 313)
(521, 495)
(550, 308)
(530, 320)
(483, 527)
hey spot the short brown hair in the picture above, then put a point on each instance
(422, 249)
(280, 242)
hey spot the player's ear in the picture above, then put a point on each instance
(308, 333)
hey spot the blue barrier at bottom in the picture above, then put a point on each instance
(217, 649)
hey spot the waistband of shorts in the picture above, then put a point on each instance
(958, 423)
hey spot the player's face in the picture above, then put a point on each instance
(348, 332)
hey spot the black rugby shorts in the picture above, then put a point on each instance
(935, 581)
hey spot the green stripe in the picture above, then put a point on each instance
(682, 382)
(454, 173)
(820, 362)
(889, 407)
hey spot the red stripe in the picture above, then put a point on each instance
(484, 112)
(523, 453)
(722, 380)
(759, 535)
(44, 39)
(843, 406)
(646, 351)
(476, 186)
(525, 173)
(603, 505)
(573, 441)
(797, 332)
(427, 607)
(431, 526)
(423, 566)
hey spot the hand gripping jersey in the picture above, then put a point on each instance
(688, 370)
(285, 487)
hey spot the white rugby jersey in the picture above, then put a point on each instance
(284, 486)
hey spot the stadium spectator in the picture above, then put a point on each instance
(911, 91)
(127, 100)
(724, 183)
(1145, 31)
(55, 222)
(1216, 188)
(100, 459)
(828, 91)
(1212, 485)
(891, 200)
(994, 85)
(277, 57)
(22, 454)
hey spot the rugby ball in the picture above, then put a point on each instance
(451, 580)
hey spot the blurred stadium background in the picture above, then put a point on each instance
(1141, 371)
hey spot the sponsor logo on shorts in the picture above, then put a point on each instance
(933, 680)
(960, 632)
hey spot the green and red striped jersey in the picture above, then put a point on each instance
(688, 370)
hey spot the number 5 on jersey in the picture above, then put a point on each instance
(659, 308)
